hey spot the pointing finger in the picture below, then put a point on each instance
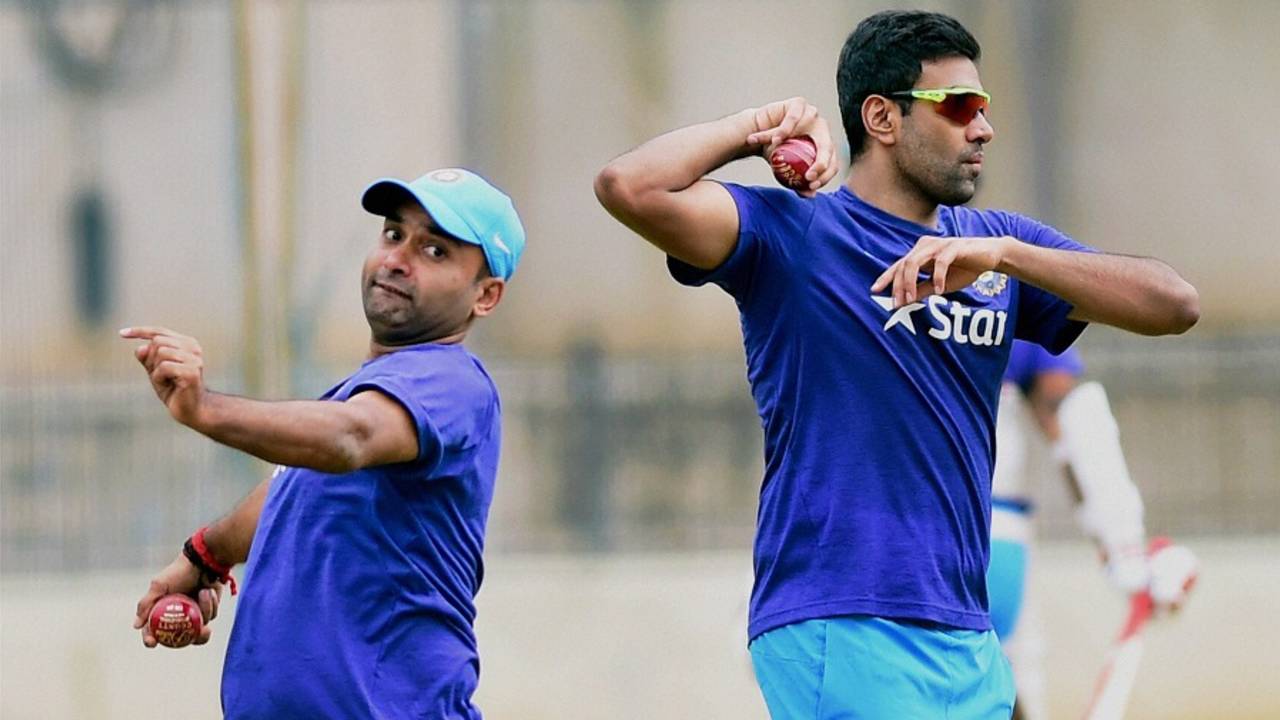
(145, 332)
(174, 354)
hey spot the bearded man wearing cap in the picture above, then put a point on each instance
(363, 549)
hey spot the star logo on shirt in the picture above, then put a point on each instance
(901, 316)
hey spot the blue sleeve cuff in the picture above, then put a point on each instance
(429, 447)
(1066, 331)
(726, 274)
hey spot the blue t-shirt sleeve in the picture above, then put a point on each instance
(767, 219)
(1042, 316)
(449, 407)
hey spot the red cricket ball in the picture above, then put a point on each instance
(176, 620)
(791, 160)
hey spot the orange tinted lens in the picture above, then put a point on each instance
(961, 107)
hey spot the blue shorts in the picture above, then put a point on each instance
(1006, 583)
(856, 667)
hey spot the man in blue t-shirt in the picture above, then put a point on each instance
(877, 321)
(364, 546)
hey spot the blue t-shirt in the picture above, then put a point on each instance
(358, 593)
(1028, 360)
(878, 423)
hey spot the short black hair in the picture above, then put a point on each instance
(885, 53)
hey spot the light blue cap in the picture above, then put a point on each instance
(465, 205)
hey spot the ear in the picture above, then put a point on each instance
(882, 119)
(488, 295)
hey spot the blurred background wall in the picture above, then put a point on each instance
(198, 164)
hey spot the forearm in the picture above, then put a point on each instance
(320, 435)
(230, 537)
(1138, 294)
(676, 160)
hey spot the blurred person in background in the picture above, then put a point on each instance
(364, 548)
(1044, 391)
(877, 390)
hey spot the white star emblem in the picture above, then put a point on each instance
(901, 316)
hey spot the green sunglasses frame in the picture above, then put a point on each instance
(940, 95)
(937, 95)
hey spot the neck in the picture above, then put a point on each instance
(378, 349)
(878, 184)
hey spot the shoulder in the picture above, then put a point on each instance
(438, 374)
(759, 205)
(986, 221)
(994, 221)
(464, 373)
(477, 380)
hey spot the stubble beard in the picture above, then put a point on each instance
(934, 178)
(939, 181)
(390, 321)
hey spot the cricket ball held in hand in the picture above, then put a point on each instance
(791, 160)
(176, 621)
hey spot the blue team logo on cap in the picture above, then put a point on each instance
(991, 283)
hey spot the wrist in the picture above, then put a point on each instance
(744, 126)
(200, 416)
(209, 567)
(194, 575)
(1006, 250)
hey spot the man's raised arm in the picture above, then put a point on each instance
(658, 190)
(335, 437)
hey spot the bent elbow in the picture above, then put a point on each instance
(608, 186)
(342, 457)
(615, 191)
(349, 451)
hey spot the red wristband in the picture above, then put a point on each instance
(215, 568)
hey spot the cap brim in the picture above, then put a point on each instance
(383, 197)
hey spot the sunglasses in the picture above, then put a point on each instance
(957, 104)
